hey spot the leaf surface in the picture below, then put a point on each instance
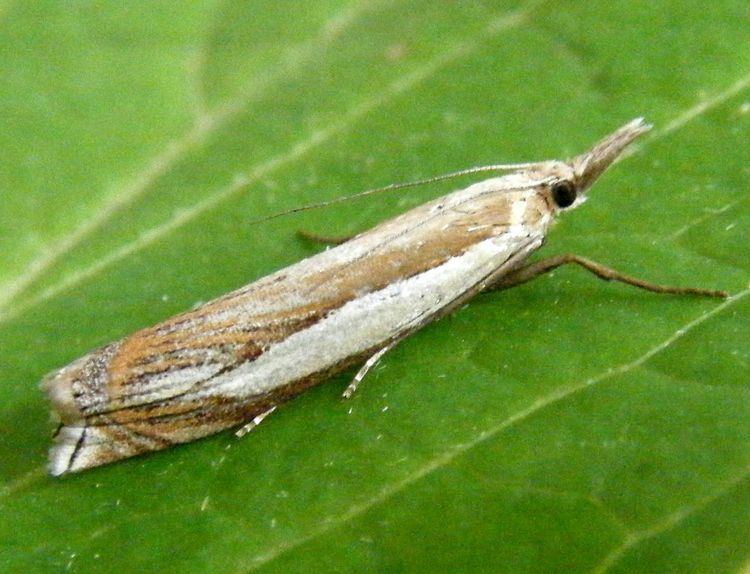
(567, 425)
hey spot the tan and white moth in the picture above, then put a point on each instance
(233, 360)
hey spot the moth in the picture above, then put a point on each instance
(233, 360)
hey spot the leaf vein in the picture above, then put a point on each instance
(171, 154)
(670, 521)
(296, 151)
(553, 398)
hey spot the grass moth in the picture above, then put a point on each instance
(231, 361)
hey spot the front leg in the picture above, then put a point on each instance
(533, 270)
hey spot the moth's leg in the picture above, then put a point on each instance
(533, 270)
(246, 428)
(327, 239)
(369, 364)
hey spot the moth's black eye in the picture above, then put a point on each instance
(564, 193)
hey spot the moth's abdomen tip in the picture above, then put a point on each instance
(58, 386)
(63, 452)
(81, 446)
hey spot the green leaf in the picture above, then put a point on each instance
(565, 426)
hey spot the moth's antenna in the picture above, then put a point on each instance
(395, 186)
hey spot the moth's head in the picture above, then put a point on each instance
(568, 182)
